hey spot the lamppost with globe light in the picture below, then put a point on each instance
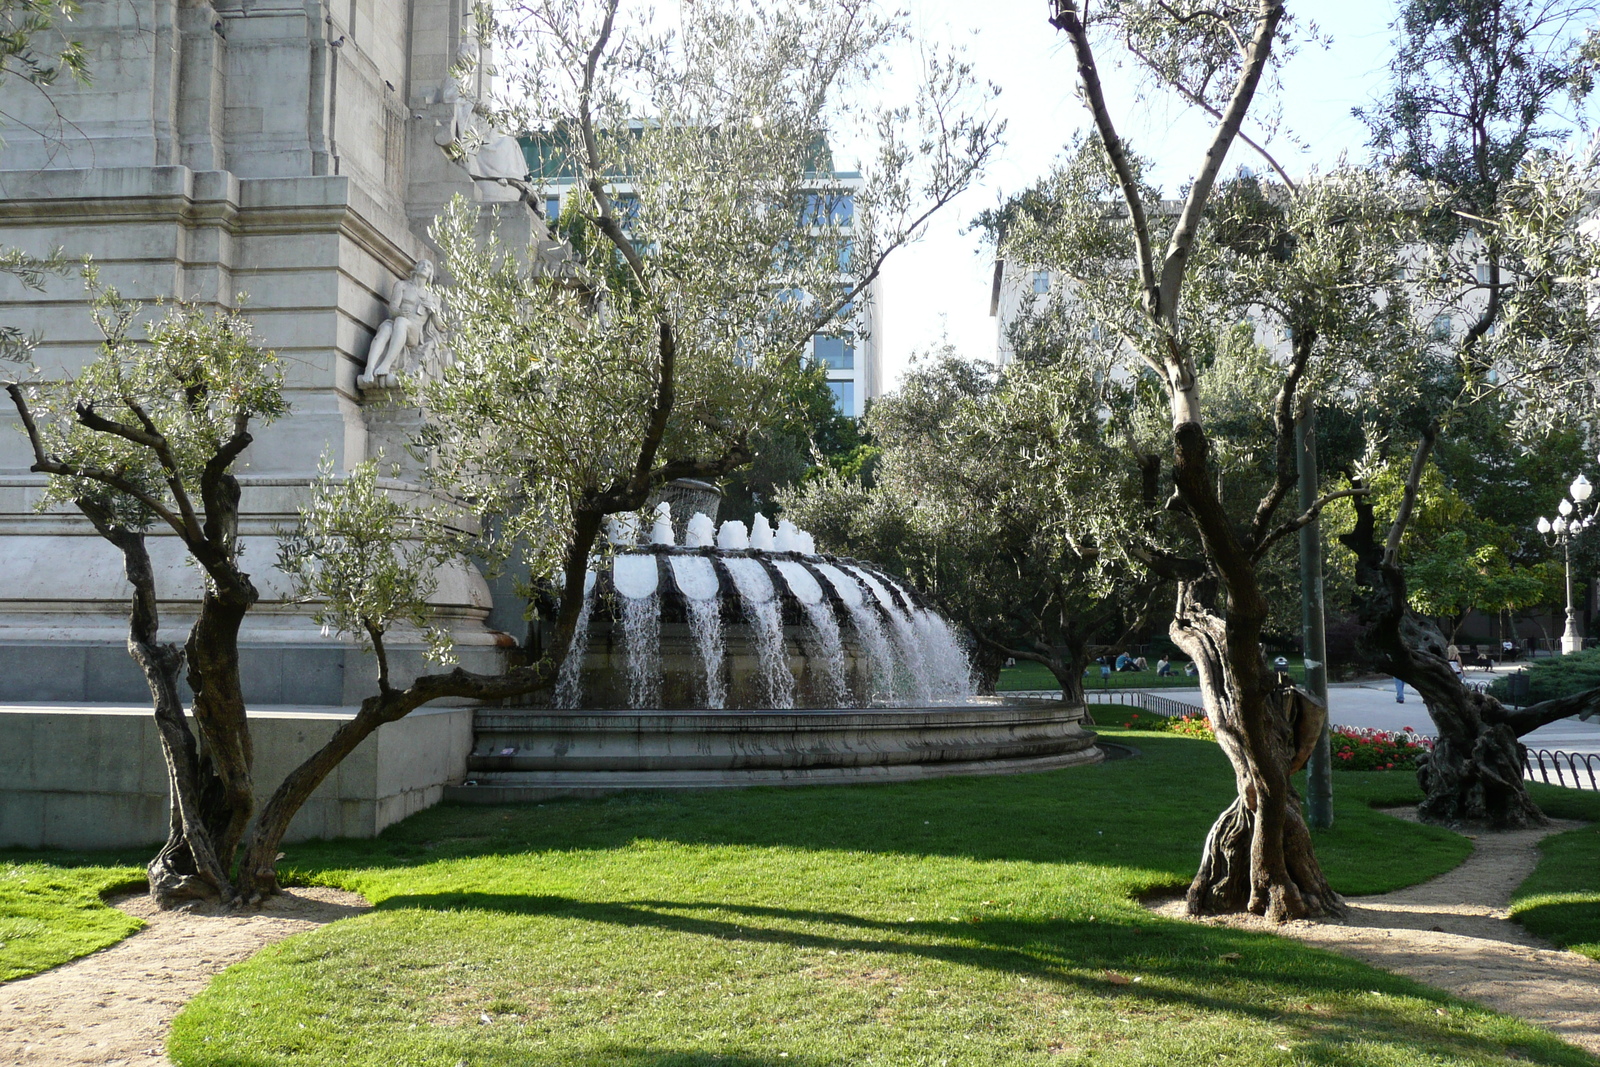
(1561, 530)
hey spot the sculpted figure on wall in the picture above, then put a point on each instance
(486, 151)
(411, 338)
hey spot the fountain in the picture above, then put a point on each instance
(743, 656)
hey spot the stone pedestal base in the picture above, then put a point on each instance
(94, 777)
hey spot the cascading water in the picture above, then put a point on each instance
(949, 667)
(635, 579)
(697, 580)
(761, 610)
(569, 680)
(905, 636)
(868, 629)
(824, 628)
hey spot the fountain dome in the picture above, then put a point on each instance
(757, 619)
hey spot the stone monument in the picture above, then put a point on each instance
(287, 160)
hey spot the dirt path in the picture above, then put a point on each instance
(1453, 934)
(114, 1008)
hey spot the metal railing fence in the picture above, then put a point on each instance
(1574, 770)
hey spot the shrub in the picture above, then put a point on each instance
(1557, 676)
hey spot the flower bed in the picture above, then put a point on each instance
(1358, 749)
(1354, 748)
(1192, 726)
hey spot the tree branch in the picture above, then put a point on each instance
(1066, 18)
(46, 464)
(1303, 520)
(1269, 14)
(1408, 500)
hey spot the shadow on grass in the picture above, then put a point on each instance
(1151, 814)
(1170, 964)
(606, 1055)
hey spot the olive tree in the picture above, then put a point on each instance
(1505, 265)
(1309, 272)
(145, 437)
(708, 252)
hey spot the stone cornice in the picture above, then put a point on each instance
(209, 198)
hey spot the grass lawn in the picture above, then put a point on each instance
(963, 921)
(1025, 676)
(52, 910)
(1561, 900)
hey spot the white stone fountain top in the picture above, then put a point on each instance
(634, 576)
(801, 584)
(696, 578)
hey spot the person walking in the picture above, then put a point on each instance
(1399, 691)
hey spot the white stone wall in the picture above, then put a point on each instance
(258, 157)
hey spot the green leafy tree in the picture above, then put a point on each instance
(145, 438)
(1456, 561)
(1290, 301)
(1504, 266)
(955, 508)
(703, 270)
(147, 434)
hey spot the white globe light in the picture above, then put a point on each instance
(1580, 489)
(1544, 525)
(1565, 508)
(1559, 526)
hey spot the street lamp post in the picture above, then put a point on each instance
(1568, 523)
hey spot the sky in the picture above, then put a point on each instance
(940, 288)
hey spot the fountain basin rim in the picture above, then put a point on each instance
(782, 718)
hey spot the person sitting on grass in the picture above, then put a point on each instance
(1190, 670)
(1124, 662)
(1140, 663)
(1163, 667)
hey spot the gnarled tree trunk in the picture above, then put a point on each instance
(1258, 855)
(1474, 773)
(188, 866)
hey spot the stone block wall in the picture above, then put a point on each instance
(73, 778)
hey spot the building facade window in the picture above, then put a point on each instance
(1483, 274)
(1443, 327)
(837, 353)
(829, 209)
(844, 397)
(552, 208)
(1041, 281)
